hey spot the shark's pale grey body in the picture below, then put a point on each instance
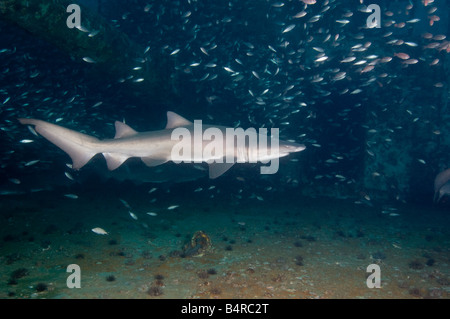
(442, 185)
(154, 147)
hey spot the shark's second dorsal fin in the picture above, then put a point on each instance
(123, 130)
(175, 120)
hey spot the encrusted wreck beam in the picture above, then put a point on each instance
(96, 41)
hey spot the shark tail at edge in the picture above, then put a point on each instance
(80, 147)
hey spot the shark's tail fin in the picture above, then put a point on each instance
(80, 147)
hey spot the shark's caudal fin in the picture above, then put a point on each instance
(80, 147)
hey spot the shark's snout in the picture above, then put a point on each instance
(290, 147)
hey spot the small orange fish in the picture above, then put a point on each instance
(402, 56)
(433, 19)
(434, 62)
(367, 68)
(410, 61)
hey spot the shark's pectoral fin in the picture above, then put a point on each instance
(114, 160)
(436, 196)
(217, 169)
(153, 162)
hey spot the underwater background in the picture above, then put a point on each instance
(368, 98)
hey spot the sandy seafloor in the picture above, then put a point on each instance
(279, 247)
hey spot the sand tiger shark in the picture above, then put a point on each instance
(441, 185)
(158, 147)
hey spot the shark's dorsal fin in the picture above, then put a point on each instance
(175, 120)
(123, 130)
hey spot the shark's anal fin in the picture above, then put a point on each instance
(114, 160)
(174, 120)
(123, 130)
(217, 169)
(153, 162)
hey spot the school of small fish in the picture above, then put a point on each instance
(314, 69)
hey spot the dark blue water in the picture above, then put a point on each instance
(370, 105)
